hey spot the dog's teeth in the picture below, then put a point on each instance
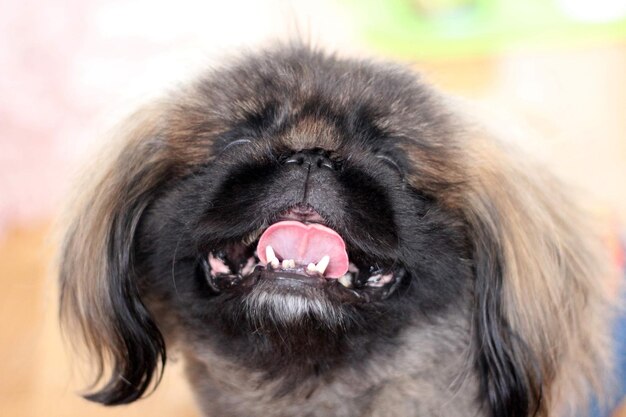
(379, 280)
(311, 269)
(271, 257)
(288, 263)
(346, 280)
(322, 264)
(269, 253)
(374, 278)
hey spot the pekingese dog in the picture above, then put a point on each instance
(320, 236)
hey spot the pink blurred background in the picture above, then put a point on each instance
(69, 70)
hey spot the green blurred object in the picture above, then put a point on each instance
(462, 28)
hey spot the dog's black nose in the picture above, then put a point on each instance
(311, 159)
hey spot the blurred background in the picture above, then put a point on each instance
(551, 74)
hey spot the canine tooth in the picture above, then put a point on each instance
(311, 269)
(269, 253)
(345, 280)
(323, 264)
(275, 263)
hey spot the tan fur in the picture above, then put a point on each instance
(556, 276)
(101, 190)
(390, 386)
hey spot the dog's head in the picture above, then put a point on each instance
(295, 212)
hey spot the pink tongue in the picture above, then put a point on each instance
(305, 244)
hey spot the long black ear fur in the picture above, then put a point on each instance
(100, 304)
(509, 375)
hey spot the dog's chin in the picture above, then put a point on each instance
(291, 302)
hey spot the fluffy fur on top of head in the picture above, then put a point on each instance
(475, 287)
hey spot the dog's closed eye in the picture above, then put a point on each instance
(235, 143)
(391, 162)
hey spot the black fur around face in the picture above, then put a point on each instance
(361, 193)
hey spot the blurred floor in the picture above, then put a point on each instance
(576, 98)
(38, 378)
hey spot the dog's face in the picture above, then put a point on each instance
(305, 178)
(296, 214)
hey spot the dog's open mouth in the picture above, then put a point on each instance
(298, 250)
